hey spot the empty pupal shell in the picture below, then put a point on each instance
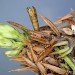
(68, 31)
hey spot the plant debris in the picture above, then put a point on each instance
(46, 50)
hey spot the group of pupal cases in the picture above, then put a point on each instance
(46, 50)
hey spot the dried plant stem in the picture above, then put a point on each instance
(46, 53)
(51, 25)
(55, 69)
(41, 68)
(18, 25)
(21, 69)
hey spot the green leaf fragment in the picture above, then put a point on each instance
(4, 43)
(68, 61)
(8, 31)
(12, 53)
(64, 66)
(61, 43)
(67, 52)
(26, 34)
(61, 51)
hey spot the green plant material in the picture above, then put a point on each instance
(9, 31)
(15, 52)
(17, 45)
(61, 43)
(21, 38)
(9, 43)
(12, 53)
(5, 43)
(66, 53)
(61, 51)
(64, 66)
(68, 61)
(56, 48)
(11, 38)
(1, 37)
(26, 34)
(33, 17)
